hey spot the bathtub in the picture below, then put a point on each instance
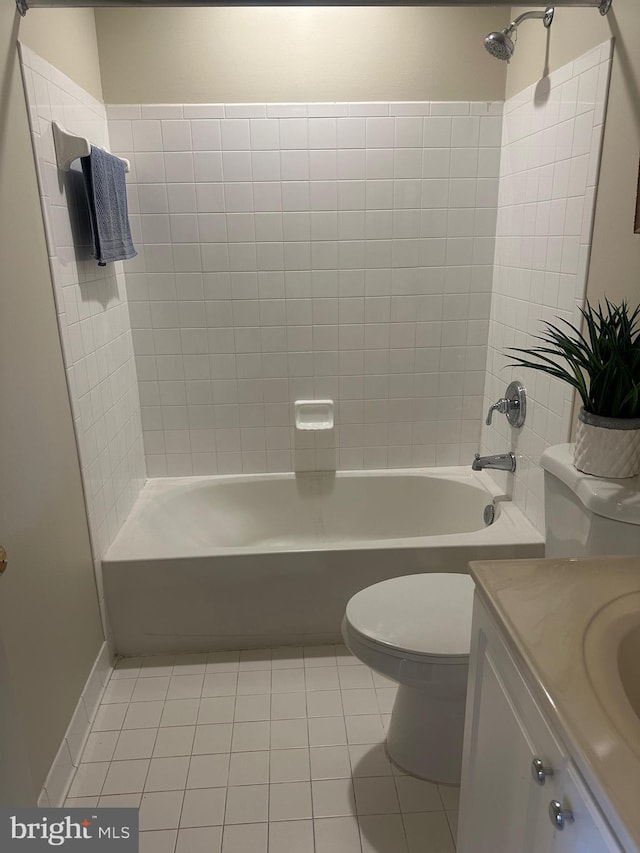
(206, 563)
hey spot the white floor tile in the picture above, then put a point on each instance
(364, 729)
(416, 795)
(319, 656)
(167, 774)
(382, 834)
(249, 768)
(247, 804)
(287, 680)
(291, 836)
(143, 715)
(185, 686)
(126, 668)
(180, 712)
(324, 703)
(353, 677)
(223, 662)
(100, 746)
(250, 709)
(289, 734)
(345, 658)
(250, 737)
(81, 802)
(150, 689)
(253, 659)
(287, 657)
(288, 706)
(369, 760)
(161, 810)
(333, 798)
(220, 684)
(208, 771)
(190, 664)
(204, 839)
(126, 777)
(450, 795)
(322, 678)
(89, 779)
(376, 795)
(162, 841)
(174, 740)
(452, 817)
(360, 701)
(330, 762)
(109, 717)
(289, 765)
(120, 801)
(157, 665)
(135, 743)
(327, 731)
(290, 801)
(215, 737)
(337, 835)
(428, 833)
(119, 690)
(258, 681)
(216, 710)
(245, 838)
(383, 681)
(203, 807)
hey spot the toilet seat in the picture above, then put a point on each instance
(425, 618)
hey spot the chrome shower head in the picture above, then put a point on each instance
(502, 46)
(499, 45)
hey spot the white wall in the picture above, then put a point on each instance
(227, 55)
(92, 312)
(310, 251)
(49, 616)
(548, 176)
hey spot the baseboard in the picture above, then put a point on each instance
(68, 757)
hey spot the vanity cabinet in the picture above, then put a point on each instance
(519, 785)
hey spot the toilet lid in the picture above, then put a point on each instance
(425, 614)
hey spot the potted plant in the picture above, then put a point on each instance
(603, 365)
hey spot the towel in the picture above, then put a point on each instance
(107, 196)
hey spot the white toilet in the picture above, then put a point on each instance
(416, 630)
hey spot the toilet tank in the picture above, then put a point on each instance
(587, 515)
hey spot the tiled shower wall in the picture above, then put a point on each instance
(310, 251)
(550, 158)
(92, 312)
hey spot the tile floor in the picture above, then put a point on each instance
(267, 751)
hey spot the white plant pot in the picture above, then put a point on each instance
(607, 447)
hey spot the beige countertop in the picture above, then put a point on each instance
(560, 618)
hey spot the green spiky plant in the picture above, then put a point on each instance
(603, 364)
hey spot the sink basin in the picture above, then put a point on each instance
(629, 666)
(612, 661)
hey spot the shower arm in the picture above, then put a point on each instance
(24, 5)
(546, 16)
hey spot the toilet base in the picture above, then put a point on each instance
(425, 735)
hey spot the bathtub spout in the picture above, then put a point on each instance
(499, 462)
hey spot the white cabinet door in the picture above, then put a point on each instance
(588, 833)
(500, 809)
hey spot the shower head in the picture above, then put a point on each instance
(502, 46)
(499, 45)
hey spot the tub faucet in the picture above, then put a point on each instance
(500, 462)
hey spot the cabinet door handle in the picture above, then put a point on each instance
(539, 771)
(559, 816)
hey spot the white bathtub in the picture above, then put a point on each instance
(207, 563)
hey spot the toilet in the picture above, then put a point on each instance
(416, 630)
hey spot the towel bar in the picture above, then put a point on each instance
(69, 147)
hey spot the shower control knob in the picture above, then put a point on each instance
(559, 816)
(539, 771)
